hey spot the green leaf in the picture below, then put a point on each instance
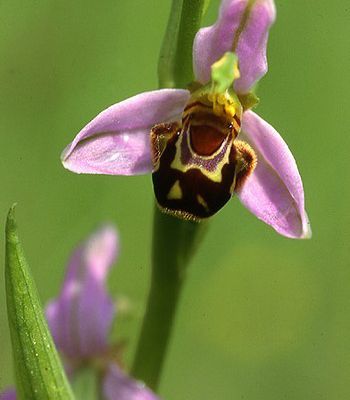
(39, 372)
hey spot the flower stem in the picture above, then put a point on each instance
(174, 240)
(167, 55)
(175, 58)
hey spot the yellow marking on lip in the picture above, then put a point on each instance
(215, 176)
(175, 193)
(202, 202)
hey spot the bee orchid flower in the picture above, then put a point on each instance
(81, 316)
(205, 144)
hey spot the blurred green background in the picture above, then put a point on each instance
(261, 317)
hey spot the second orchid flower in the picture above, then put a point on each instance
(80, 319)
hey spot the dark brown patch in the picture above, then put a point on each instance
(193, 183)
(205, 139)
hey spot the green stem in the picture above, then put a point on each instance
(175, 59)
(174, 240)
(167, 55)
(191, 15)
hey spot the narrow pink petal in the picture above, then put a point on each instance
(274, 192)
(116, 142)
(101, 251)
(212, 42)
(8, 394)
(252, 43)
(81, 316)
(118, 386)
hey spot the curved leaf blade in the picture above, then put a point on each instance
(39, 372)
